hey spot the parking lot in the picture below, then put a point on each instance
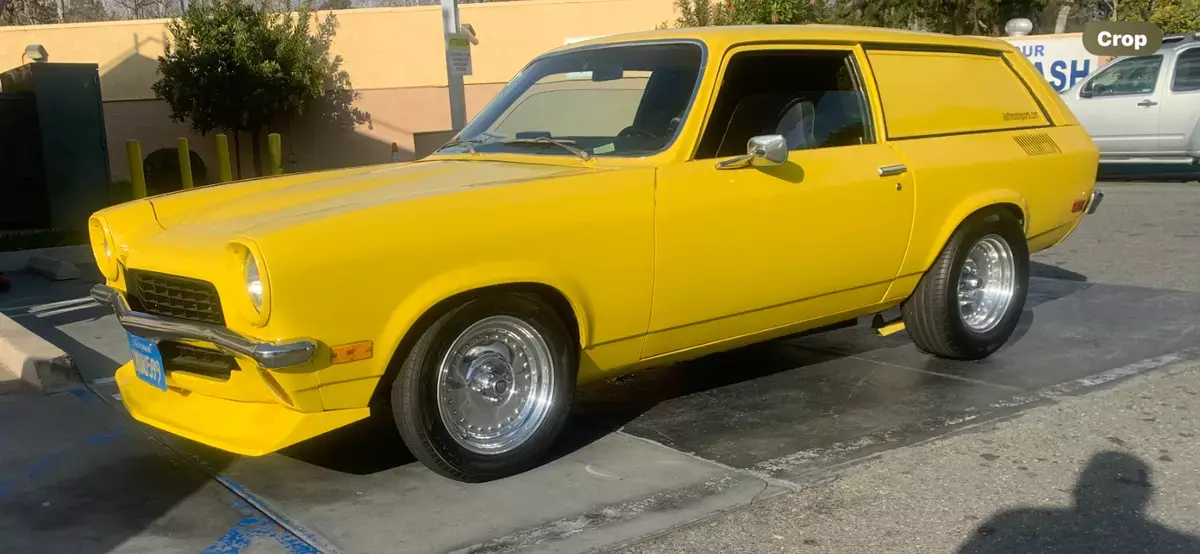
(749, 442)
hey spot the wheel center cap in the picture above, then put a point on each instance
(490, 384)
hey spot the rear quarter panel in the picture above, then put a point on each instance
(977, 130)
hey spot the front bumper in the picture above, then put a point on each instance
(247, 428)
(234, 424)
(269, 355)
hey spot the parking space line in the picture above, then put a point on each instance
(946, 375)
(252, 526)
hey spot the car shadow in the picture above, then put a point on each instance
(1046, 271)
(603, 408)
(1108, 515)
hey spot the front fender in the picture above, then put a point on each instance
(466, 279)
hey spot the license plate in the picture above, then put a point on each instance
(148, 362)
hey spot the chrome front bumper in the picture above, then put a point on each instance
(1094, 201)
(266, 354)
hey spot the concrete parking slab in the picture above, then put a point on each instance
(77, 476)
(358, 490)
(791, 409)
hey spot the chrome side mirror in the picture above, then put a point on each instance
(761, 151)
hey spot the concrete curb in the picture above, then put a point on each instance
(24, 356)
(18, 260)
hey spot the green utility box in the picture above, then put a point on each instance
(70, 131)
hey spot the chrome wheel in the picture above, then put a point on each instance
(495, 385)
(986, 284)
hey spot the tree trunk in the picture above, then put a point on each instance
(1060, 25)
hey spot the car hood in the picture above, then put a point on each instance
(245, 206)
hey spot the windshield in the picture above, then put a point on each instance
(613, 101)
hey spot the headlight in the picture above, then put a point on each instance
(103, 248)
(254, 286)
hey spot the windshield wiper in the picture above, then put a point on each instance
(461, 142)
(564, 144)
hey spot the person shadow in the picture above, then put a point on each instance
(1108, 516)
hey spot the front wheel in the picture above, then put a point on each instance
(487, 388)
(967, 305)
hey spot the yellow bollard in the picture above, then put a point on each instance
(185, 163)
(275, 147)
(133, 152)
(224, 174)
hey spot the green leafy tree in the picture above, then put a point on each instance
(238, 66)
(1172, 16)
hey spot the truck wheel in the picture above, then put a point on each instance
(968, 304)
(486, 389)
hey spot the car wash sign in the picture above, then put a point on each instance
(1062, 59)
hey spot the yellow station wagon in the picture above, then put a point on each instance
(626, 202)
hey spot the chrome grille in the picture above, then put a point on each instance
(174, 296)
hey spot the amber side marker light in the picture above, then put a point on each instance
(1078, 205)
(352, 352)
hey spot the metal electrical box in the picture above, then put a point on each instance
(70, 136)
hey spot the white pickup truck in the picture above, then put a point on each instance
(1144, 109)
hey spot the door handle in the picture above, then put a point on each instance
(889, 170)
(1147, 103)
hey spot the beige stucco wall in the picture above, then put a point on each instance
(394, 56)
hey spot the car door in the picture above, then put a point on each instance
(1120, 105)
(1179, 120)
(746, 250)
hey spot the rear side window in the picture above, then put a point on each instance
(940, 93)
(1187, 71)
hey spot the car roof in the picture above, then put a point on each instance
(719, 38)
(1179, 40)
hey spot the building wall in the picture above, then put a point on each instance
(394, 56)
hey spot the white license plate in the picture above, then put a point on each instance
(148, 362)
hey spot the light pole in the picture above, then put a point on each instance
(454, 81)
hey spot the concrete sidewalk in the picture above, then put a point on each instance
(1113, 471)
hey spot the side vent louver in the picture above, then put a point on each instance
(1037, 144)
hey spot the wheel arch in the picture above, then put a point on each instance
(1005, 200)
(423, 308)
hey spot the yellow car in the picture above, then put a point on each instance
(626, 202)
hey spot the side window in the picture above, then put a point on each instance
(814, 99)
(1187, 71)
(1130, 76)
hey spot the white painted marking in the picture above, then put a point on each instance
(91, 304)
(846, 450)
(53, 305)
(588, 468)
(104, 381)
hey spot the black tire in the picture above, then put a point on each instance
(931, 314)
(413, 393)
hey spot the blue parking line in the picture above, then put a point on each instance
(48, 461)
(252, 526)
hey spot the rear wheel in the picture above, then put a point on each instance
(967, 305)
(486, 390)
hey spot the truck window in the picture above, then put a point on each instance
(1187, 71)
(812, 98)
(941, 93)
(1129, 76)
